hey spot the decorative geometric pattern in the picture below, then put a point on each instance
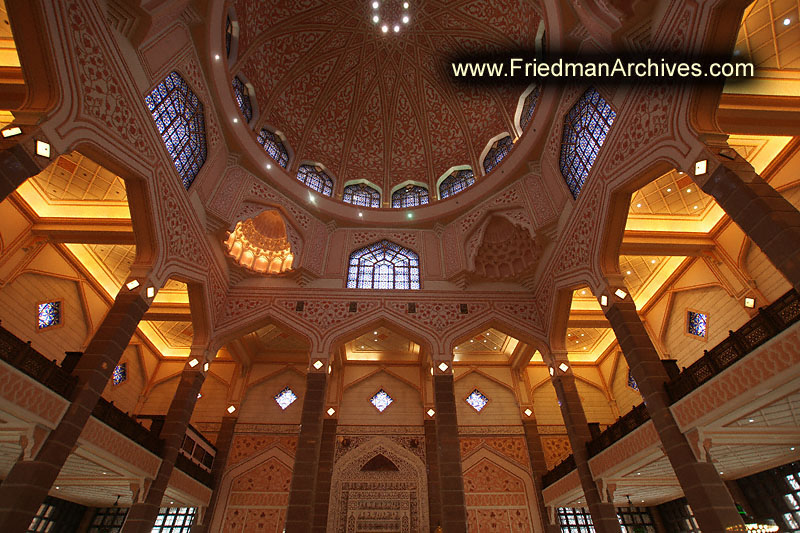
(120, 374)
(228, 36)
(49, 314)
(477, 400)
(315, 178)
(383, 265)
(361, 194)
(242, 94)
(285, 398)
(456, 182)
(585, 129)
(696, 324)
(497, 152)
(178, 115)
(632, 382)
(174, 520)
(528, 107)
(274, 146)
(410, 196)
(381, 400)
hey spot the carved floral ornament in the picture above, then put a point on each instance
(260, 244)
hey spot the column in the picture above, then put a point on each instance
(604, 516)
(223, 446)
(538, 469)
(454, 509)
(432, 467)
(710, 500)
(18, 161)
(322, 488)
(28, 482)
(142, 515)
(300, 512)
(764, 215)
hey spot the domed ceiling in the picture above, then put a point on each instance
(373, 105)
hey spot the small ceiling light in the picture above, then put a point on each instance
(700, 167)
(472, 340)
(749, 302)
(384, 28)
(10, 132)
(431, 412)
(584, 347)
(431, 371)
(396, 28)
(193, 363)
(620, 294)
(443, 366)
(792, 448)
(638, 473)
(628, 272)
(132, 284)
(375, 5)
(216, 56)
(374, 332)
(787, 21)
(360, 214)
(330, 411)
(205, 367)
(311, 198)
(669, 189)
(604, 300)
(563, 367)
(376, 19)
(406, 19)
(410, 215)
(235, 120)
(151, 291)
(199, 395)
(231, 409)
(695, 207)
(583, 293)
(318, 364)
(653, 261)
(638, 205)
(405, 5)
(42, 149)
(269, 167)
(750, 420)
(552, 372)
(58, 488)
(528, 412)
(689, 189)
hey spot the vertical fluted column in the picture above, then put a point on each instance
(223, 446)
(454, 508)
(28, 482)
(604, 516)
(19, 160)
(705, 491)
(538, 469)
(322, 488)
(142, 515)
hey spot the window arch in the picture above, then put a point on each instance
(410, 196)
(242, 94)
(314, 177)
(383, 265)
(456, 182)
(497, 152)
(528, 107)
(361, 194)
(585, 129)
(178, 114)
(274, 146)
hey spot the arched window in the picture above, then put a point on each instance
(315, 178)
(228, 36)
(497, 152)
(242, 94)
(383, 265)
(178, 114)
(361, 194)
(528, 107)
(410, 196)
(273, 144)
(585, 128)
(456, 182)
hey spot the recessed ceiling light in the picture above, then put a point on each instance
(583, 292)
(269, 167)
(384, 28)
(235, 120)
(695, 207)
(375, 5)
(669, 189)
(360, 214)
(405, 19)
(688, 190)
(653, 261)
(750, 420)
(638, 205)
(410, 215)
(199, 395)
(471, 340)
(216, 56)
(787, 21)
(405, 5)
(396, 28)
(376, 19)
(374, 332)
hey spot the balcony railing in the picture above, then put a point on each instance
(106, 412)
(21, 356)
(632, 420)
(560, 470)
(187, 466)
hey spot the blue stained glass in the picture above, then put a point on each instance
(585, 129)
(178, 115)
(381, 400)
(361, 194)
(456, 182)
(49, 314)
(228, 36)
(242, 94)
(383, 265)
(696, 323)
(477, 400)
(120, 374)
(528, 107)
(632, 382)
(410, 196)
(274, 147)
(497, 153)
(315, 178)
(285, 398)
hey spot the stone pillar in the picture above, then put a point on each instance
(432, 467)
(28, 482)
(764, 215)
(322, 488)
(705, 491)
(604, 516)
(454, 508)
(18, 161)
(223, 446)
(142, 515)
(538, 469)
(300, 512)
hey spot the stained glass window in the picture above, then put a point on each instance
(497, 152)
(585, 129)
(49, 314)
(477, 400)
(696, 323)
(242, 94)
(315, 178)
(178, 115)
(632, 382)
(456, 182)
(410, 196)
(383, 265)
(528, 107)
(174, 520)
(381, 400)
(285, 398)
(274, 146)
(228, 36)
(361, 194)
(120, 374)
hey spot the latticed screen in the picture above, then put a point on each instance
(49, 314)
(381, 400)
(528, 107)
(456, 182)
(274, 147)
(696, 323)
(585, 129)
(178, 115)
(242, 95)
(285, 398)
(383, 265)
(108, 520)
(120, 374)
(575, 520)
(410, 196)
(361, 194)
(315, 178)
(497, 153)
(632, 382)
(174, 520)
(477, 400)
(635, 520)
